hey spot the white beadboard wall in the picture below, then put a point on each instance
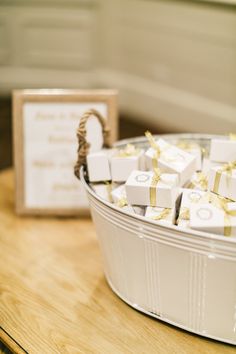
(46, 44)
(174, 62)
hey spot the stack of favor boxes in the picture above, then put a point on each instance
(171, 184)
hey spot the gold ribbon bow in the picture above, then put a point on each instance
(163, 214)
(155, 179)
(222, 204)
(228, 168)
(155, 146)
(128, 151)
(201, 181)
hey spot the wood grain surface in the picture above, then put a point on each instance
(54, 297)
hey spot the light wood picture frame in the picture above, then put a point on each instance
(44, 136)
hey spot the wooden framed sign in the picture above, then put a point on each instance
(45, 146)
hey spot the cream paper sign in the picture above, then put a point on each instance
(50, 152)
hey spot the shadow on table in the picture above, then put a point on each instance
(4, 349)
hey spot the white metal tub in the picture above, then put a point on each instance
(180, 276)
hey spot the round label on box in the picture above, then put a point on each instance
(194, 197)
(142, 178)
(204, 214)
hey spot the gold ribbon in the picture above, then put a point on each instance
(222, 203)
(184, 214)
(227, 218)
(128, 151)
(155, 147)
(122, 202)
(228, 168)
(232, 136)
(155, 179)
(163, 214)
(201, 181)
(204, 151)
(109, 190)
(160, 152)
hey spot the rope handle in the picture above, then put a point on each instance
(84, 146)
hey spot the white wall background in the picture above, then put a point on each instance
(174, 62)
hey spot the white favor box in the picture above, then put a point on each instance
(193, 149)
(137, 257)
(155, 212)
(222, 150)
(98, 166)
(227, 184)
(138, 189)
(172, 160)
(122, 166)
(103, 190)
(209, 218)
(189, 197)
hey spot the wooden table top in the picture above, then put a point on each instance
(54, 297)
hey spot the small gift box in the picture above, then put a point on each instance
(98, 166)
(222, 180)
(218, 218)
(223, 150)
(124, 161)
(119, 198)
(193, 149)
(103, 190)
(170, 159)
(165, 216)
(152, 188)
(189, 197)
(199, 181)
